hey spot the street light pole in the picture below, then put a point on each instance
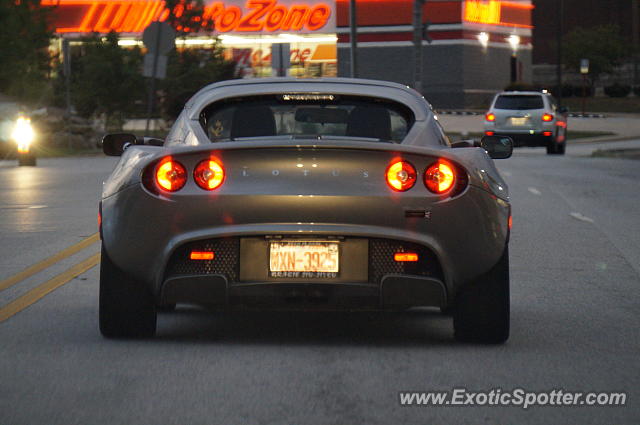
(417, 45)
(354, 38)
(635, 29)
(559, 30)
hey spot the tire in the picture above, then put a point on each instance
(561, 148)
(550, 149)
(482, 308)
(127, 309)
(166, 308)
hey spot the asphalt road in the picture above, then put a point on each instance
(575, 272)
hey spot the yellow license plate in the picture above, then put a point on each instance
(518, 121)
(304, 259)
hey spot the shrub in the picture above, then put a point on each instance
(580, 91)
(567, 90)
(617, 90)
(521, 86)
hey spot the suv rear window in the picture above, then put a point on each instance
(304, 115)
(519, 102)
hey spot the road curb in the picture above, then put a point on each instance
(603, 139)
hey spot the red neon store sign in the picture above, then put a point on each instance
(269, 16)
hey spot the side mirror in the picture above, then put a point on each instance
(115, 144)
(152, 141)
(463, 144)
(498, 147)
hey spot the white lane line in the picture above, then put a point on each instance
(534, 191)
(581, 217)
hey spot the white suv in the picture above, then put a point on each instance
(529, 118)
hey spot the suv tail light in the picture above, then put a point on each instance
(490, 117)
(170, 175)
(209, 174)
(547, 117)
(401, 176)
(440, 177)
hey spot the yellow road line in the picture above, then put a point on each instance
(40, 291)
(38, 267)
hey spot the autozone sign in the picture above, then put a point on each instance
(271, 16)
(230, 16)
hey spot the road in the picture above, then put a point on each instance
(575, 272)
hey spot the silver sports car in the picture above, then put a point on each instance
(306, 194)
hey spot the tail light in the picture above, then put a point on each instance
(547, 117)
(401, 176)
(489, 133)
(202, 255)
(100, 219)
(440, 177)
(402, 257)
(170, 175)
(209, 174)
(490, 117)
(547, 133)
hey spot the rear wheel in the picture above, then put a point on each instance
(126, 306)
(482, 308)
(557, 148)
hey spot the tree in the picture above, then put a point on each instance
(191, 69)
(186, 16)
(188, 71)
(24, 55)
(602, 45)
(107, 80)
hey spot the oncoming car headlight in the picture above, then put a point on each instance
(23, 134)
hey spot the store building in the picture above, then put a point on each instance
(478, 46)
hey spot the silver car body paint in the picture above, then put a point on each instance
(266, 193)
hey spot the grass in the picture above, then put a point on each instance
(572, 135)
(51, 152)
(617, 153)
(604, 104)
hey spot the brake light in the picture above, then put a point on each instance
(202, 255)
(170, 175)
(439, 177)
(401, 176)
(209, 174)
(100, 219)
(547, 117)
(402, 257)
(490, 117)
(489, 133)
(547, 133)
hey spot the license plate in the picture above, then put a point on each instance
(518, 121)
(298, 259)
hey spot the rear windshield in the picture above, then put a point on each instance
(307, 115)
(519, 102)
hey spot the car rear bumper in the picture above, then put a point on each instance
(368, 277)
(462, 236)
(393, 292)
(526, 138)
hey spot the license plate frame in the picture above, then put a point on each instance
(519, 121)
(304, 259)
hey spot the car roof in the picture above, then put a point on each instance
(520, 93)
(348, 86)
(336, 80)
